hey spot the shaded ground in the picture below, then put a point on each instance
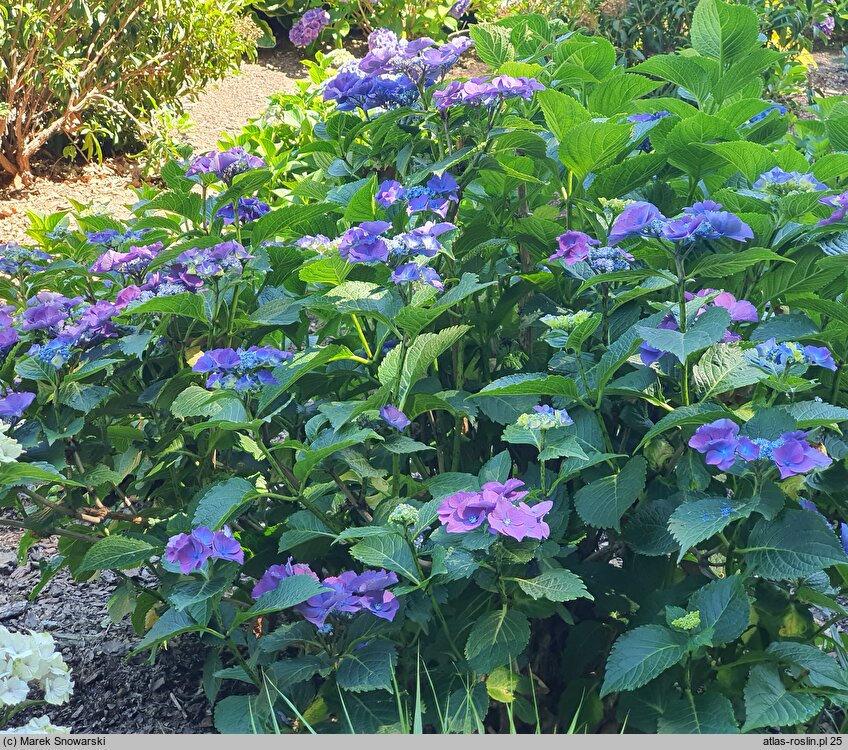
(831, 76)
(113, 693)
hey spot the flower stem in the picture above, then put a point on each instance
(368, 352)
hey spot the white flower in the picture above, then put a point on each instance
(32, 658)
(39, 725)
(13, 690)
(10, 449)
(58, 687)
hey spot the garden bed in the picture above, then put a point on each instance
(113, 693)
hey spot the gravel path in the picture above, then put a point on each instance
(229, 104)
(224, 107)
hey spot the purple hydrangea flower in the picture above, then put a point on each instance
(573, 247)
(347, 594)
(383, 38)
(276, 573)
(305, 31)
(389, 192)
(114, 238)
(521, 521)
(226, 547)
(313, 242)
(135, 261)
(423, 240)
(408, 272)
(701, 207)
(796, 456)
(225, 165)
(459, 8)
(394, 417)
(826, 26)
(820, 356)
(723, 224)
(421, 60)
(840, 205)
(47, 310)
(608, 259)
(355, 89)
(464, 511)
(501, 505)
(843, 536)
(637, 218)
(486, 91)
(365, 244)
(740, 309)
(789, 357)
(244, 370)
(191, 266)
(13, 405)
(718, 442)
(16, 259)
(56, 352)
(779, 182)
(435, 196)
(684, 229)
(191, 551)
(249, 209)
(8, 334)
(188, 551)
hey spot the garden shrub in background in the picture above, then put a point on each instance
(640, 29)
(333, 21)
(517, 406)
(100, 66)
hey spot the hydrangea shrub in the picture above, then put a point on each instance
(520, 410)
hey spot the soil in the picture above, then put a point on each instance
(114, 693)
(831, 75)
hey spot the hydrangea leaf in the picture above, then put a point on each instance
(191, 591)
(603, 502)
(707, 329)
(640, 655)
(723, 368)
(496, 639)
(705, 713)
(222, 501)
(697, 520)
(289, 592)
(557, 585)
(646, 530)
(796, 545)
(820, 669)
(724, 607)
(368, 668)
(389, 551)
(769, 704)
(117, 553)
(466, 708)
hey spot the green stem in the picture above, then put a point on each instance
(368, 352)
(681, 293)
